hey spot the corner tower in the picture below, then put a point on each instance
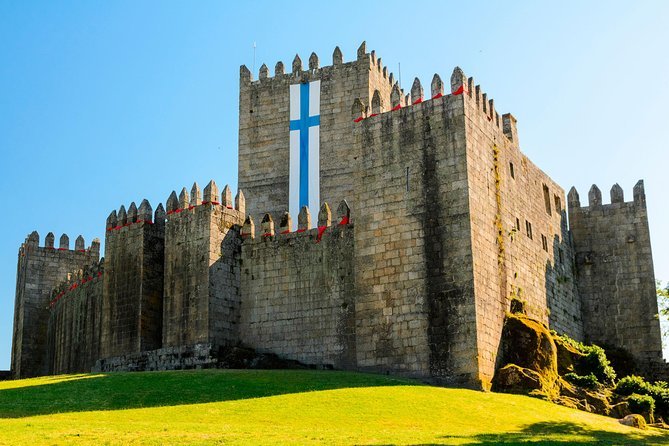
(40, 269)
(615, 278)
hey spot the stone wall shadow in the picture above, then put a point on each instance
(118, 391)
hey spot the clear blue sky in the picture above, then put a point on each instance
(104, 103)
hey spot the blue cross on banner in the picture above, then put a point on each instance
(305, 121)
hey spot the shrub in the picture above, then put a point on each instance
(587, 381)
(632, 384)
(635, 384)
(642, 404)
(594, 362)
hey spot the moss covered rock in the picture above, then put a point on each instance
(634, 420)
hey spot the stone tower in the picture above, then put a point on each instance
(40, 269)
(132, 297)
(201, 285)
(264, 120)
(616, 281)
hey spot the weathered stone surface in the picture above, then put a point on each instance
(634, 420)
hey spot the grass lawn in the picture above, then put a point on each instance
(286, 407)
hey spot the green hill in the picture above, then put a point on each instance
(285, 407)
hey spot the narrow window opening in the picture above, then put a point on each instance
(517, 224)
(528, 229)
(513, 174)
(544, 242)
(407, 178)
(547, 199)
(560, 255)
(558, 204)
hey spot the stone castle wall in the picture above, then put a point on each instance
(39, 270)
(301, 299)
(520, 240)
(74, 331)
(132, 307)
(413, 259)
(616, 281)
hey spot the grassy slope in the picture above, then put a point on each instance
(291, 407)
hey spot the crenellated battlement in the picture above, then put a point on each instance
(33, 240)
(134, 216)
(617, 198)
(187, 203)
(76, 279)
(268, 230)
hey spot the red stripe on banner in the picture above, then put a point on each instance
(99, 273)
(204, 202)
(50, 247)
(358, 119)
(417, 101)
(287, 231)
(301, 230)
(373, 114)
(62, 249)
(169, 212)
(460, 90)
(344, 220)
(81, 250)
(321, 230)
(190, 208)
(176, 211)
(437, 96)
(229, 207)
(215, 203)
(267, 234)
(117, 227)
(397, 107)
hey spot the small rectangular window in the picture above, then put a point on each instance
(528, 229)
(517, 224)
(558, 204)
(513, 174)
(544, 242)
(560, 255)
(547, 199)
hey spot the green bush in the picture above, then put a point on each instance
(642, 404)
(587, 381)
(595, 362)
(637, 385)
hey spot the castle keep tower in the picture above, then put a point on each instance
(266, 117)
(40, 269)
(615, 271)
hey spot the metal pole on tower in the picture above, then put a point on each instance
(254, 56)
(399, 73)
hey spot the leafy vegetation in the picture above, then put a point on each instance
(594, 361)
(286, 407)
(588, 381)
(637, 385)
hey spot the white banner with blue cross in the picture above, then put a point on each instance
(305, 124)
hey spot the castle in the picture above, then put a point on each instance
(437, 221)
